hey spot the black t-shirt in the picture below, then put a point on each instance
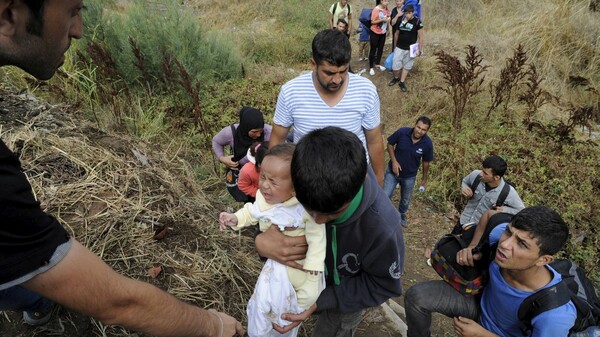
(28, 236)
(407, 32)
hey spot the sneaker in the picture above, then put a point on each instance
(403, 87)
(371, 72)
(394, 81)
(382, 68)
(37, 317)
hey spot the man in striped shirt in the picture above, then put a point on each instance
(331, 96)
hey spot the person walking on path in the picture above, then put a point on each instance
(409, 30)
(380, 19)
(407, 148)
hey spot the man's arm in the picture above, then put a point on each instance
(349, 22)
(425, 173)
(278, 135)
(84, 283)
(396, 168)
(330, 20)
(375, 147)
(513, 203)
(395, 38)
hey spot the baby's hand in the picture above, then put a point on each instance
(227, 220)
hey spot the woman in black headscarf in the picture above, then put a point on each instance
(250, 129)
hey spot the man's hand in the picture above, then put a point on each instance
(284, 249)
(467, 192)
(231, 327)
(296, 319)
(465, 257)
(396, 168)
(227, 160)
(465, 327)
(227, 220)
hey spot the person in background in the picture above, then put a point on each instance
(396, 13)
(380, 19)
(340, 10)
(409, 30)
(40, 262)
(363, 42)
(250, 129)
(342, 26)
(407, 148)
(249, 174)
(330, 96)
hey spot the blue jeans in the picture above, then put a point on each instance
(435, 296)
(406, 188)
(18, 298)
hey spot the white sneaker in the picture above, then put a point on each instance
(371, 72)
(382, 68)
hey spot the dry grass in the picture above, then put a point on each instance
(112, 203)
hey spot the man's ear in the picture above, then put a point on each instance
(11, 11)
(313, 64)
(544, 260)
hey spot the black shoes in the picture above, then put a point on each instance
(394, 81)
(403, 87)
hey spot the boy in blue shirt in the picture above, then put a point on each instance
(526, 246)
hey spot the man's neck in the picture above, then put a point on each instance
(331, 98)
(530, 279)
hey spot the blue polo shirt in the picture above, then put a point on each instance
(409, 155)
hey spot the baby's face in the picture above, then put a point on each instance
(275, 181)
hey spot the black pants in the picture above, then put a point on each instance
(377, 43)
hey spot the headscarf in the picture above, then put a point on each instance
(250, 118)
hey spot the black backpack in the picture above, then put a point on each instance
(503, 194)
(575, 286)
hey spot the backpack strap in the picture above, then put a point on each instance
(475, 183)
(333, 11)
(542, 301)
(503, 194)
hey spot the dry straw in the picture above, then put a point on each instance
(112, 202)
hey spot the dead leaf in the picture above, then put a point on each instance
(155, 271)
(160, 233)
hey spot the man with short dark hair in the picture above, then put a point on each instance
(365, 244)
(407, 147)
(408, 31)
(525, 247)
(331, 96)
(487, 191)
(40, 262)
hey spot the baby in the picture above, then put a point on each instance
(281, 289)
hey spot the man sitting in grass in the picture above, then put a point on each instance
(526, 246)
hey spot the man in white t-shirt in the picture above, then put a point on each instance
(331, 96)
(340, 11)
